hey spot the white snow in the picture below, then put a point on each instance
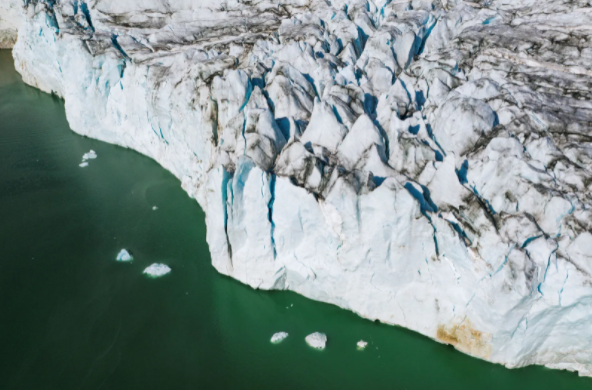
(157, 269)
(395, 158)
(124, 255)
(316, 340)
(278, 337)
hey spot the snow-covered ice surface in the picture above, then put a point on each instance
(317, 340)
(155, 270)
(424, 163)
(124, 255)
(278, 337)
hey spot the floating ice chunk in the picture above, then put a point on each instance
(124, 255)
(156, 270)
(154, 208)
(90, 155)
(87, 156)
(362, 344)
(278, 337)
(316, 340)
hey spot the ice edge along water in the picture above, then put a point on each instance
(423, 163)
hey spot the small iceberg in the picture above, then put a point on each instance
(124, 255)
(278, 337)
(90, 155)
(316, 340)
(87, 156)
(156, 270)
(362, 344)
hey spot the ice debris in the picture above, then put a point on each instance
(316, 340)
(278, 337)
(362, 344)
(124, 255)
(87, 156)
(157, 269)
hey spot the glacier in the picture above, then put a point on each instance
(422, 163)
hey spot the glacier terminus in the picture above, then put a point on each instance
(422, 163)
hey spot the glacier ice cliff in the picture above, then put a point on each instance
(10, 21)
(423, 163)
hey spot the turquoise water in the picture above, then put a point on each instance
(74, 318)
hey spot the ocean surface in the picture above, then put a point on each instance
(71, 317)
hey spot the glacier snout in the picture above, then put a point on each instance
(422, 163)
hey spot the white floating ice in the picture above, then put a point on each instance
(362, 344)
(154, 208)
(316, 340)
(278, 337)
(89, 156)
(124, 255)
(157, 270)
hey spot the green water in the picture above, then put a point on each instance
(73, 318)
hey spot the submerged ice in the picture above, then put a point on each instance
(423, 163)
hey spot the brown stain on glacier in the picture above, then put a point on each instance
(466, 338)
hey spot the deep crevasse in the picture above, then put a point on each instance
(422, 163)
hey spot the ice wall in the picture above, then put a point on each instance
(11, 17)
(422, 163)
